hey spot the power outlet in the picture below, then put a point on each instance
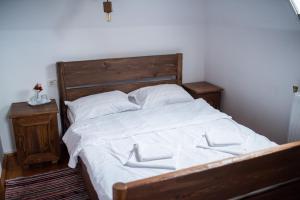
(52, 83)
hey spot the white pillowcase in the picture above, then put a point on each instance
(153, 96)
(100, 104)
(70, 117)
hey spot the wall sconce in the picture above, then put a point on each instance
(295, 88)
(107, 7)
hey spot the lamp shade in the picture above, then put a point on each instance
(296, 6)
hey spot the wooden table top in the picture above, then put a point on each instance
(202, 87)
(24, 109)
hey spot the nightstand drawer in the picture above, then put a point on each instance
(33, 120)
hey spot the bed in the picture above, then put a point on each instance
(269, 173)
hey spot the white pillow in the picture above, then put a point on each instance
(70, 117)
(100, 104)
(152, 96)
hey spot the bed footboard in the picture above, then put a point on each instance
(269, 174)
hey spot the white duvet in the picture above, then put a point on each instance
(104, 143)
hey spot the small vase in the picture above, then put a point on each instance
(37, 96)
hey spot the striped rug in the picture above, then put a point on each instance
(65, 184)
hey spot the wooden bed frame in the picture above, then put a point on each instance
(269, 174)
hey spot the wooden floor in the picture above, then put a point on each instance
(12, 170)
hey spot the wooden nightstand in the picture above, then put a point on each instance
(36, 132)
(211, 93)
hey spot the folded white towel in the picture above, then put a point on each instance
(226, 132)
(150, 152)
(230, 149)
(233, 150)
(170, 164)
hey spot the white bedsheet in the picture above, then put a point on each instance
(181, 124)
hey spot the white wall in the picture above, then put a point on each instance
(253, 51)
(35, 34)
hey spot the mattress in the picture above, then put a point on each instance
(103, 142)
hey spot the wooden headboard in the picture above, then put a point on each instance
(82, 78)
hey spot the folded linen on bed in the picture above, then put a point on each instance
(169, 163)
(150, 152)
(229, 149)
(233, 150)
(223, 133)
